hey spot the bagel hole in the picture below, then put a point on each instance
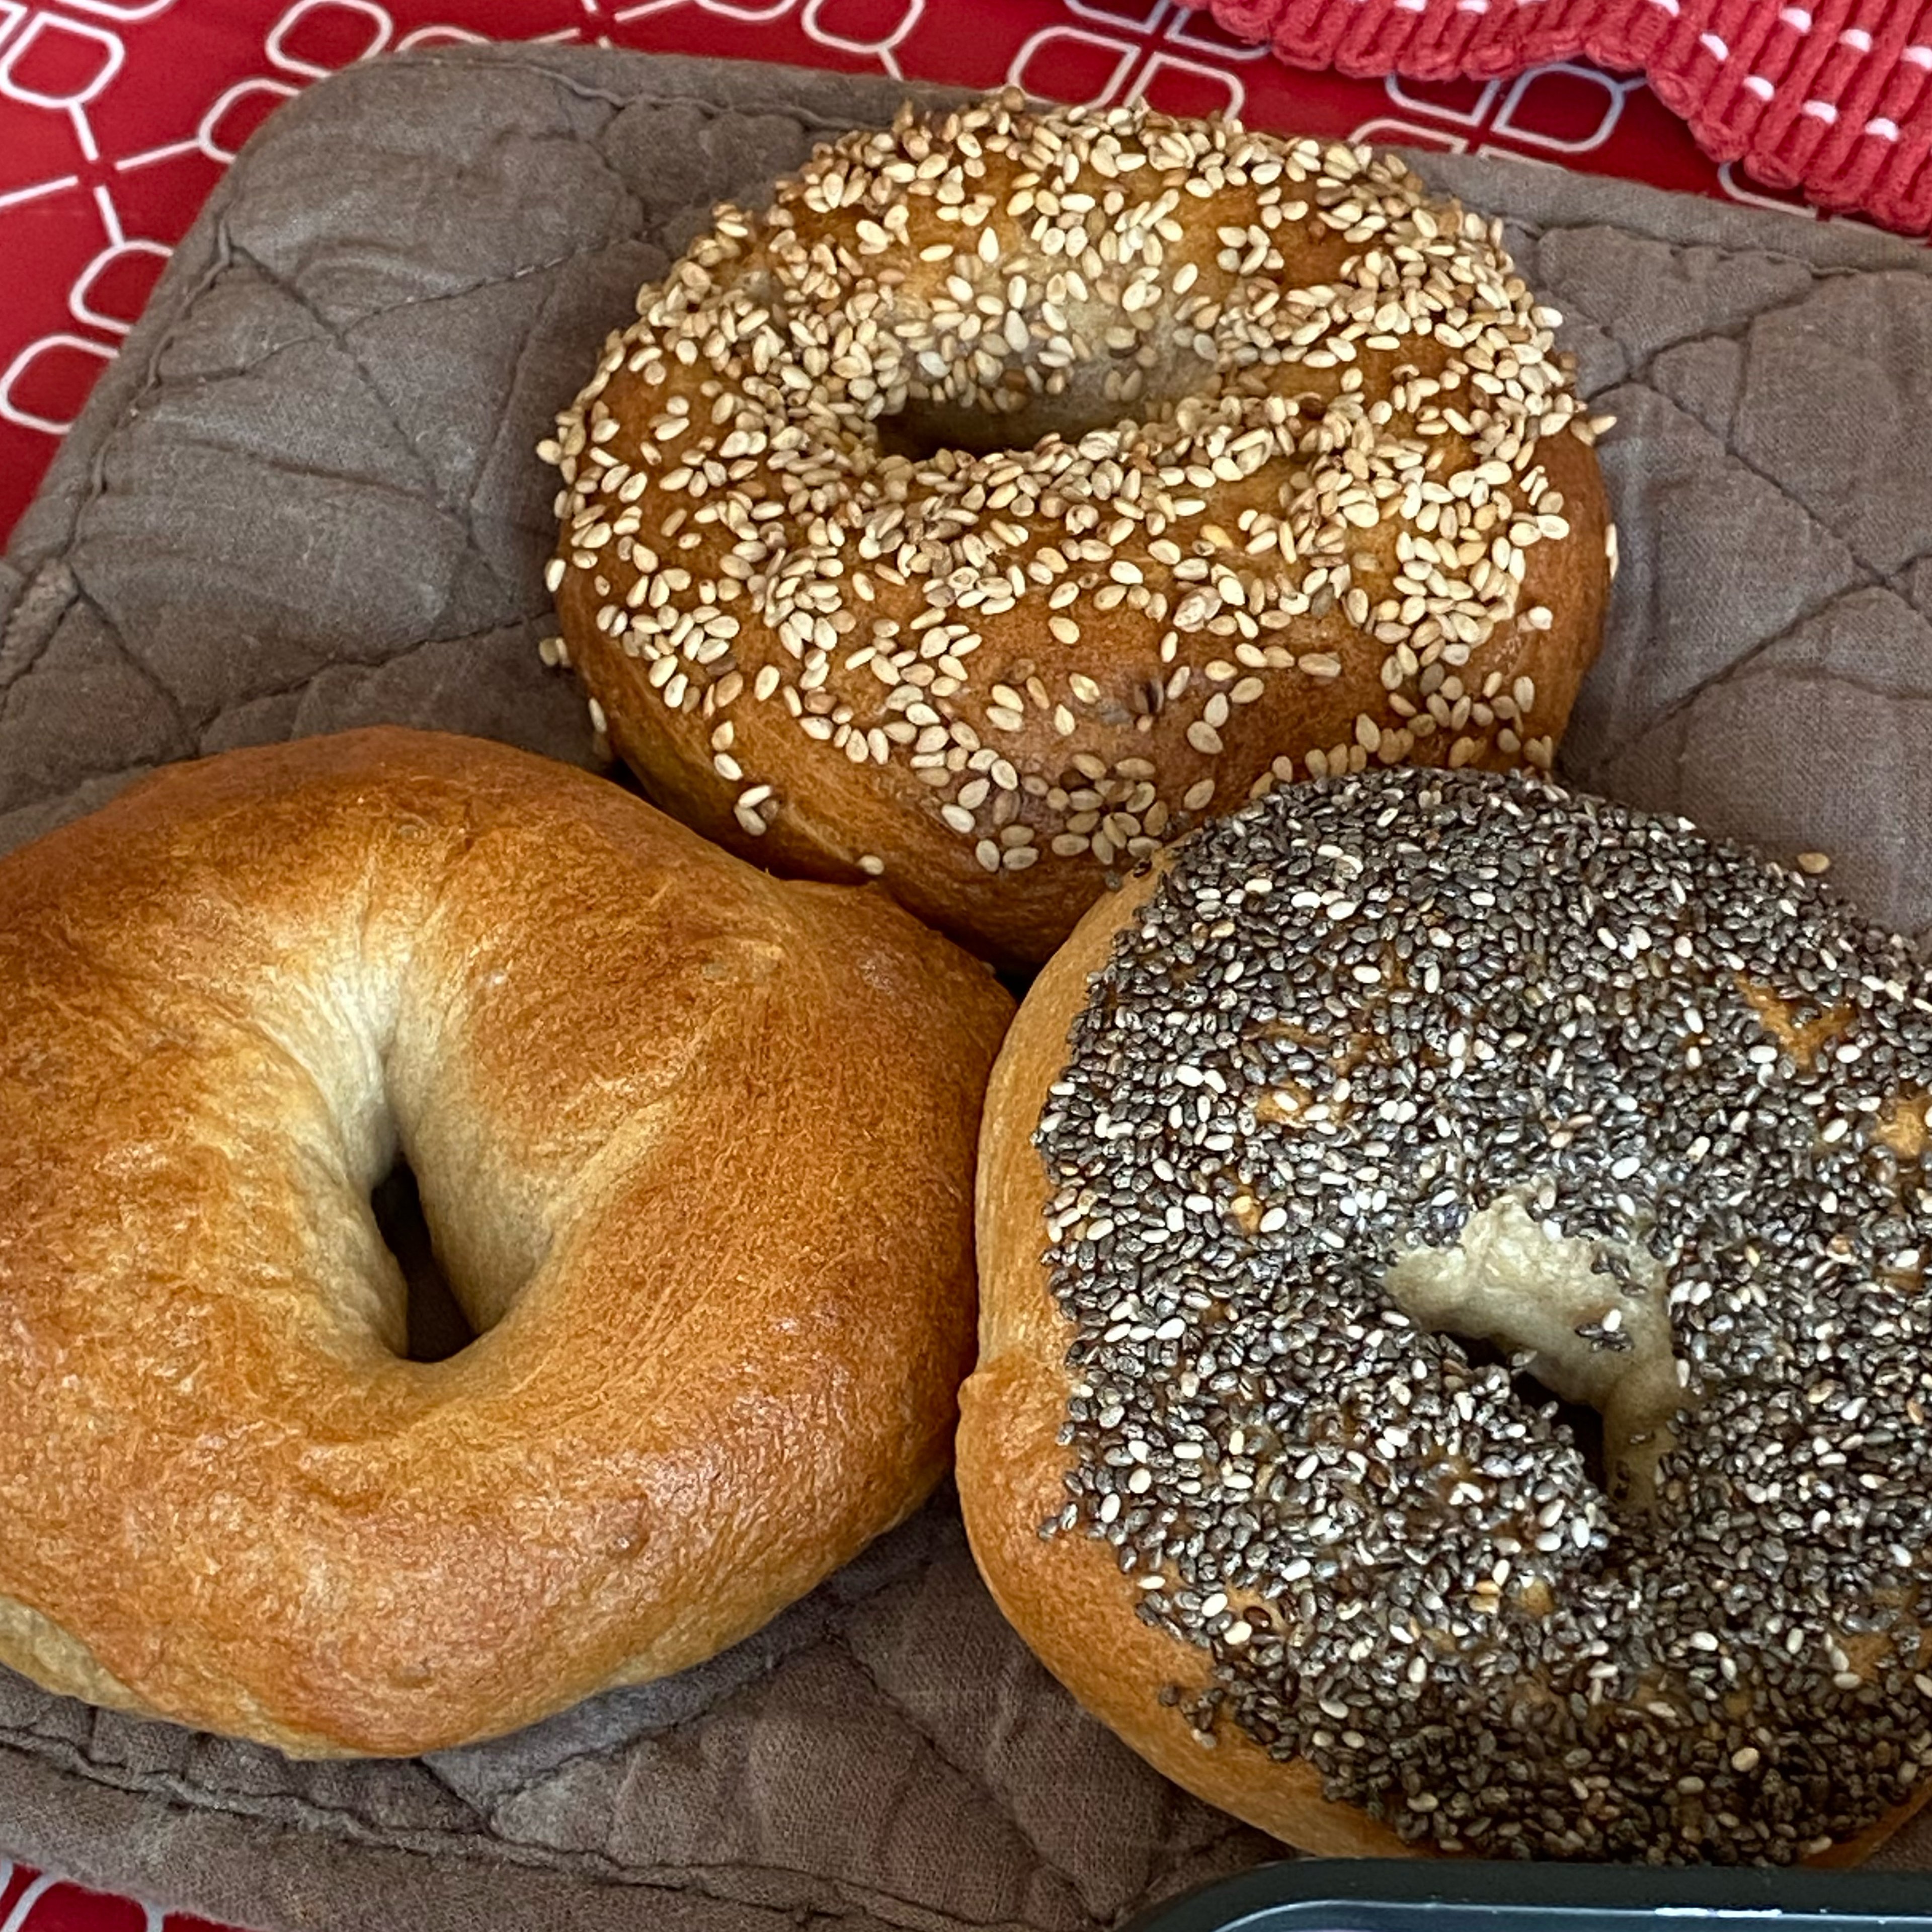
(1583, 1323)
(934, 422)
(1586, 1424)
(438, 1328)
(920, 431)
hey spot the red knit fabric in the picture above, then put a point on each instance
(1831, 98)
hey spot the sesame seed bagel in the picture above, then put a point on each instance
(695, 1150)
(1021, 487)
(1454, 1350)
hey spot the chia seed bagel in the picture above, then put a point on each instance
(1022, 487)
(1335, 1177)
(695, 1147)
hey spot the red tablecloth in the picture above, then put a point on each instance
(31, 1901)
(117, 116)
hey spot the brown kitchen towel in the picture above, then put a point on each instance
(304, 498)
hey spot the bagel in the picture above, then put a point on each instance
(1347, 1174)
(695, 1149)
(1022, 487)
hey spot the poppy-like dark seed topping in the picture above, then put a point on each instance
(1405, 1087)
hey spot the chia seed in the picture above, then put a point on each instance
(1352, 1018)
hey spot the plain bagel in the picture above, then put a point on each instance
(695, 1147)
(1323, 1160)
(1022, 487)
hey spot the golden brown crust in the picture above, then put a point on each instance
(1208, 664)
(1064, 1593)
(697, 1143)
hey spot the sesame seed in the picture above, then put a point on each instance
(743, 527)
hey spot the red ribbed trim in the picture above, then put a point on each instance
(1830, 99)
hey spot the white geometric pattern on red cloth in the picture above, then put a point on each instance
(32, 1901)
(1506, 111)
(116, 116)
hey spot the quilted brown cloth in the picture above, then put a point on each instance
(305, 498)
